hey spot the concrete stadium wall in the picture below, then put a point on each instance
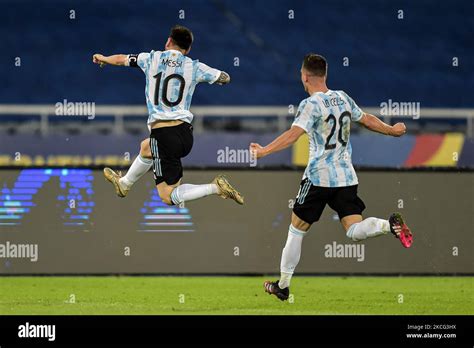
(115, 235)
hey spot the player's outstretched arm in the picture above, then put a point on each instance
(116, 59)
(223, 78)
(286, 139)
(377, 125)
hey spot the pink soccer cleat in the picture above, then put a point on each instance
(400, 230)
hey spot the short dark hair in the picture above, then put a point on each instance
(315, 64)
(181, 36)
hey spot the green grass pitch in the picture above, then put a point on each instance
(235, 295)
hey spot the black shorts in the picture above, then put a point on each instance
(168, 145)
(311, 201)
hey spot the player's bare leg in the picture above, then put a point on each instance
(165, 190)
(359, 229)
(178, 193)
(140, 166)
(289, 259)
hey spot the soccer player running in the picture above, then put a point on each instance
(329, 177)
(171, 78)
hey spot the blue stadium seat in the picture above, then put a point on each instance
(408, 60)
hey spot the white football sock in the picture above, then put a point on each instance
(188, 192)
(368, 228)
(290, 256)
(139, 167)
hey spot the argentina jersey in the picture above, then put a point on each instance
(326, 118)
(170, 81)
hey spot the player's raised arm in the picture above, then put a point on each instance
(286, 139)
(116, 59)
(375, 124)
(223, 78)
(372, 122)
(205, 73)
(303, 122)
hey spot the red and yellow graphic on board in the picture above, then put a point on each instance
(441, 150)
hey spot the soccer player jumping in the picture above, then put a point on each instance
(170, 81)
(329, 177)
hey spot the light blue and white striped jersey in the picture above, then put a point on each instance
(326, 118)
(170, 81)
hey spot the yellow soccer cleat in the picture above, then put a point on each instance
(114, 178)
(226, 190)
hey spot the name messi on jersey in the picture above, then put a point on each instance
(171, 63)
(336, 101)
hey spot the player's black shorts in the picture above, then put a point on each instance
(311, 201)
(168, 145)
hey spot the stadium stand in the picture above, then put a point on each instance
(254, 49)
(268, 71)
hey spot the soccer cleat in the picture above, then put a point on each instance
(272, 288)
(400, 230)
(226, 190)
(114, 178)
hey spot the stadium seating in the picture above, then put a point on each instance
(389, 58)
(385, 59)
